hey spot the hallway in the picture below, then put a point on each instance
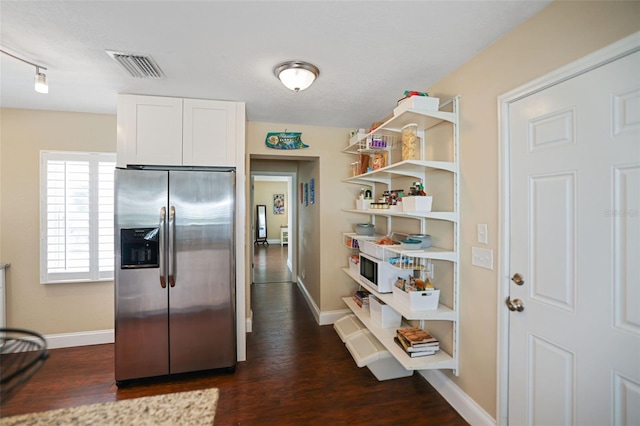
(270, 264)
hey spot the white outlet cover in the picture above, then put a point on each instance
(482, 257)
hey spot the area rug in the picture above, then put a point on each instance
(182, 408)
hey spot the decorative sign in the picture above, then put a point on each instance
(306, 194)
(312, 190)
(301, 193)
(285, 140)
(278, 203)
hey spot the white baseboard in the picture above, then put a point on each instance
(314, 308)
(458, 399)
(322, 318)
(82, 338)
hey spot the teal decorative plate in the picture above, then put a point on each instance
(285, 140)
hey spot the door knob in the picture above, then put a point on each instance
(518, 279)
(515, 305)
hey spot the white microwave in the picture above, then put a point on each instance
(379, 274)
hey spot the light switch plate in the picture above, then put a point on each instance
(482, 257)
(482, 233)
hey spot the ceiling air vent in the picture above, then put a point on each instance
(139, 66)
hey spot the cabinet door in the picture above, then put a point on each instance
(149, 130)
(209, 133)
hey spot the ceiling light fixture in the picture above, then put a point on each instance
(41, 85)
(296, 75)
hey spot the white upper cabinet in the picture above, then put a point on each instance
(208, 133)
(154, 130)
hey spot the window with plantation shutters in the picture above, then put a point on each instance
(76, 216)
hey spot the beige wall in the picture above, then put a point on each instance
(320, 248)
(558, 35)
(263, 194)
(52, 308)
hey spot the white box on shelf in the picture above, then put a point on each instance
(423, 103)
(417, 203)
(417, 300)
(363, 204)
(382, 314)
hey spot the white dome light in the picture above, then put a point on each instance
(296, 75)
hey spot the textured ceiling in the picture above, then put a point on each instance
(368, 52)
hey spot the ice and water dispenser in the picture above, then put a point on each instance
(139, 248)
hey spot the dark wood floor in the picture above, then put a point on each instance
(296, 373)
(270, 264)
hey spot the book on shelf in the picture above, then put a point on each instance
(434, 346)
(361, 298)
(416, 336)
(417, 353)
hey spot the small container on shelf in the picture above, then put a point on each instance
(410, 244)
(417, 203)
(364, 229)
(363, 204)
(410, 142)
(425, 239)
(422, 103)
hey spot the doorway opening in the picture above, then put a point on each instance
(273, 207)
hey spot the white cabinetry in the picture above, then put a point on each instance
(439, 134)
(155, 130)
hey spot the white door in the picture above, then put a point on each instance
(574, 173)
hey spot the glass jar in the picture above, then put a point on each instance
(410, 142)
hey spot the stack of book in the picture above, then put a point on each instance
(416, 341)
(361, 297)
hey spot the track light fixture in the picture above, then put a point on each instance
(41, 85)
(296, 75)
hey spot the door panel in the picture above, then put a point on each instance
(141, 304)
(575, 237)
(202, 309)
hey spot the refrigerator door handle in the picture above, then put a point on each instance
(172, 246)
(163, 215)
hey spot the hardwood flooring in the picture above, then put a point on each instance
(296, 373)
(270, 264)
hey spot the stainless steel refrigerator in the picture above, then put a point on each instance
(175, 271)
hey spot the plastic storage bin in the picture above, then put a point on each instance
(347, 326)
(366, 350)
(382, 314)
(373, 249)
(417, 203)
(417, 300)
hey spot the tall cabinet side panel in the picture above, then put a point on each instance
(141, 302)
(202, 298)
